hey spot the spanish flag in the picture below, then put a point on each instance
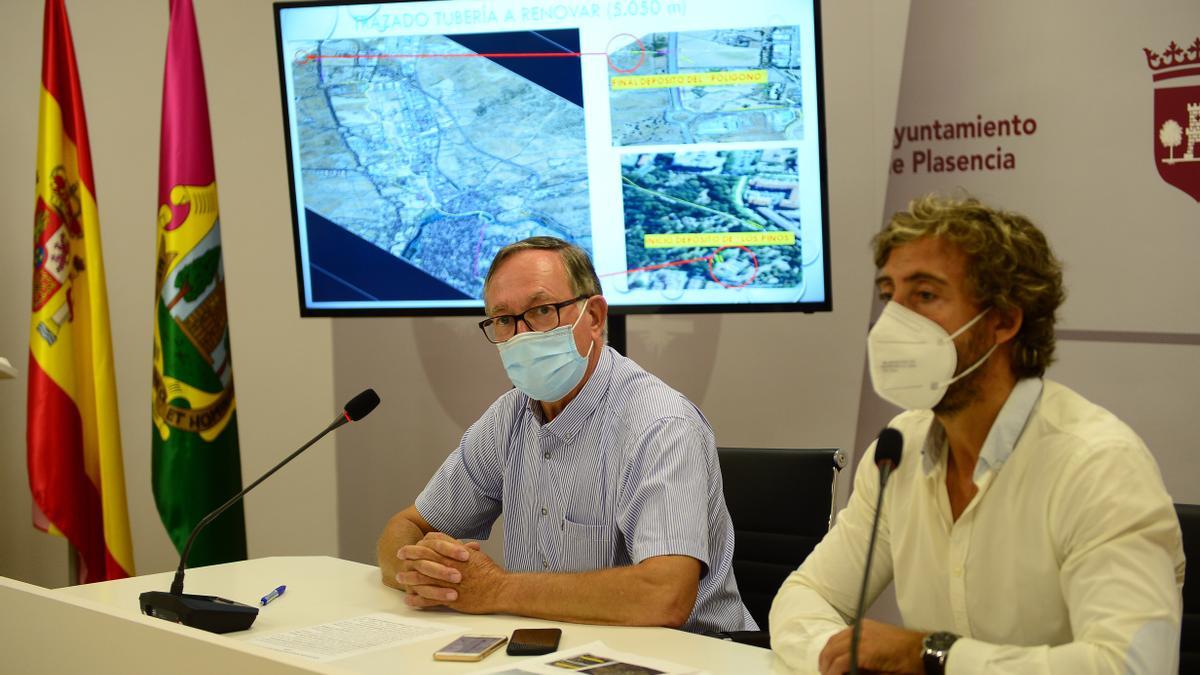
(76, 473)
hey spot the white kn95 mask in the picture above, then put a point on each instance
(912, 359)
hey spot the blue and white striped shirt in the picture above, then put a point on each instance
(627, 471)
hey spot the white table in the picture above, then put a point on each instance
(322, 589)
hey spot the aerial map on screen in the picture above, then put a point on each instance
(452, 179)
(425, 136)
(737, 210)
(716, 85)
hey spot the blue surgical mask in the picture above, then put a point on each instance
(545, 366)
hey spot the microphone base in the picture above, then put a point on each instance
(206, 612)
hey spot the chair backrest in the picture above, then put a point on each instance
(1189, 639)
(781, 502)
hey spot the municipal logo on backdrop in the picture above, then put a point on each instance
(1176, 73)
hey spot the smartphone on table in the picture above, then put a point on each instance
(470, 648)
(534, 641)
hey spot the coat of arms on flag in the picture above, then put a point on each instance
(1176, 73)
(55, 224)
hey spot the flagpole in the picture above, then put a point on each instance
(72, 565)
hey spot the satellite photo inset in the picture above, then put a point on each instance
(439, 152)
(712, 219)
(717, 85)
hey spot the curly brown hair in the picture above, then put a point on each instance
(1009, 265)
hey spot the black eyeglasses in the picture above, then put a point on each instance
(538, 319)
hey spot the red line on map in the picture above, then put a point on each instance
(486, 55)
(753, 273)
(673, 263)
(708, 258)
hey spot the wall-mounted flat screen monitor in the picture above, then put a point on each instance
(679, 142)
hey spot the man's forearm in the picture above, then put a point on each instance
(400, 531)
(628, 596)
(802, 622)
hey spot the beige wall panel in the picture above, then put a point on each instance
(283, 369)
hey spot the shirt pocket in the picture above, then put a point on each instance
(584, 547)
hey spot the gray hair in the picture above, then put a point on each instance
(580, 272)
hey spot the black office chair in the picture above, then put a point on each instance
(1189, 639)
(782, 503)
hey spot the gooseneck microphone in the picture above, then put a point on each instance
(887, 457)
(211, 613)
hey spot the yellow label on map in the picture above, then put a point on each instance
(717, 239)
(719, 78)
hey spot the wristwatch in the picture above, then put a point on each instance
(937, 648)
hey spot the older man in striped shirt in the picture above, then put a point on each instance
(607, 478)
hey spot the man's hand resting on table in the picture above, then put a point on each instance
(882, 648)
(441, 570)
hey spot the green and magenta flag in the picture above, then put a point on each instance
(73, 436)
(196, 465)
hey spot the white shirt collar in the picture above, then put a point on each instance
(1002, 437)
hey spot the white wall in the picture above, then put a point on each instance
(282, 365)
(1129, 332)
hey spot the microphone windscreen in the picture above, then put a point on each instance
(888, 447)
(360, 406)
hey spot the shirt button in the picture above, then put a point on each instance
(544, 511)
(545, 564)
(546, 455)
(958, 572)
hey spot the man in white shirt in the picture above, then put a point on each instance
(1027, 530)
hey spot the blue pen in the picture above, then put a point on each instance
(272, 595)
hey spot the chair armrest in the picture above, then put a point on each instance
(754, 638)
